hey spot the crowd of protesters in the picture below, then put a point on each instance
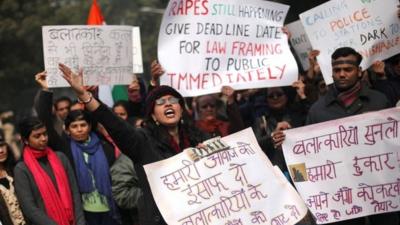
(80, 162)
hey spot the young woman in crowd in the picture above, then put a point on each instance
(45, 181)
(90, 155)
(10, 211)
(168, 131)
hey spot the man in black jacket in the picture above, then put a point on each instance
(346, 97)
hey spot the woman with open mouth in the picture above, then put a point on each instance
(168, 131)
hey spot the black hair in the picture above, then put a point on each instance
(62, 99)
(212, 96)
(29, 124)
(124, 104)
(186, 128)
(10, 162)
(346, 51)
(76, 115)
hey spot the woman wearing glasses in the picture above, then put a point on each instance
(168, 131)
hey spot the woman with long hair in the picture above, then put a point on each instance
(10, 211)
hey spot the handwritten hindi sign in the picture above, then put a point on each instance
(235, 186)
(370, 27)
(104, 53)
(300, 42)
(206, 44)
(347, 168)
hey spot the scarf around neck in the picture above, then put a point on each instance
(346, 98)
(58, 204)
(221, 128)
(97, 167)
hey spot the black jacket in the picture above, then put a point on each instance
(329, 108)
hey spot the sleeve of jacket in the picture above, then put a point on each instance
(125, 184)
(44, 110)
(235, 118)
(125, 136)
(311, 117)
(23, 185)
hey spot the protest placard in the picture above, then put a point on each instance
(206, 44)
(300, 42)
(103, 52)
(237, 185)
(370, 27)
(347, 168)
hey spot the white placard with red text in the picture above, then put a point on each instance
(349, 167)
(237, 186)
(369, 26)
(300, 42)
(204, 45)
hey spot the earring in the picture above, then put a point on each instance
(157, 123)
(182, 122)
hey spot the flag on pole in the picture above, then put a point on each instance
(107, 94)
(95, 15)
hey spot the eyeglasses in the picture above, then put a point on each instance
(208, 105)
(275, 95)
(170, 100)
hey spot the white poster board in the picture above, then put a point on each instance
(370, 27)
(103, 52)
(300, 42)
(235, 186)
(211, 43)
(347, 168)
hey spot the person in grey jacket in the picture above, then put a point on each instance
(45, 181)
(125, 189)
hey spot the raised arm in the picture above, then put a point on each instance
(232, 110)
(43, 108)
(124, 135)
(75, 80)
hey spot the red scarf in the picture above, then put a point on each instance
(175, 145)
(348, 97)
(59, 206)
(214, 125)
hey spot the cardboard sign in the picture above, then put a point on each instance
(237, 185)
(103, 52)
(347, 168)
(368, 26)
(211, 43)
